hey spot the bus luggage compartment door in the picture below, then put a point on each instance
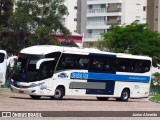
(108, 90)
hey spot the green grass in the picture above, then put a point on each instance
(155, 98)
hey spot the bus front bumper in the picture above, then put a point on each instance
(29, 91)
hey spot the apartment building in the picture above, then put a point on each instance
(70, 20)
(153, 14)
(97, 16)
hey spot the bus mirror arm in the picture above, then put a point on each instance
(43, 60)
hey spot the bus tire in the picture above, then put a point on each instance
(124, 95)
(102, 98)
(35, 97)
(59, 93)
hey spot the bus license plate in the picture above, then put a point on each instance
(22, 92)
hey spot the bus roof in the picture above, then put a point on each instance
(46, 49)
(3, 51)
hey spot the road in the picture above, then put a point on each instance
(19, 102)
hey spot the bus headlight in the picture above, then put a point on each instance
(35, 85)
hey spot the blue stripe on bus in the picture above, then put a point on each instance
(106, 76)
(104, 55)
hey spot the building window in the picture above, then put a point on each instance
(75, 19)
(90, 6)
(103, 6)
(144, 8)
(62, 21)
(75, 7)
(96, 21)
(138, 17)
(138, 6)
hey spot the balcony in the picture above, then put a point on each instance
(114, 7)
(114, 20)
(97, 26)
(100, 10)
(111, 9)
(90, 2)
(93, 36)
(114, 10)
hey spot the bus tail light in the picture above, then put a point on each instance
(18, 55)
(146, 93)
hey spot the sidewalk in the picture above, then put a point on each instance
(5, 91)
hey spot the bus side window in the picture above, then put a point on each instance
(67, 61)
(46, 69)
(102, 64)
(96, 64)
(146, 66)
(109, 65)
(61, 64)
(141, 66)
(137, 66)
(83, 63)
(121, 67)
(124, 65)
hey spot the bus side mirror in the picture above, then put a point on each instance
(43, 60)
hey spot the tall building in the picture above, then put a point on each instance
(70, 20)
(97, 16)
(153, 14)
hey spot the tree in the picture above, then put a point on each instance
(35, 20)
(134, 39)
(155, 83)
(6, 8)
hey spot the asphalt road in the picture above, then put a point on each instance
(19, 102)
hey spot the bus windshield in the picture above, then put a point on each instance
(25, 69)
(1, 57)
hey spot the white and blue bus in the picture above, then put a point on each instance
(54, 71)
(3, 66)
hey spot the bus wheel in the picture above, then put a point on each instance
(59, 93)
(102, 98)
(35, 96)
(124, 95)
